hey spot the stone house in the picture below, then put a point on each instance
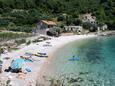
(73, 28)
(88, 18)
(44, 25)
(102, 27)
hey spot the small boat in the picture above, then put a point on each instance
(74, 59)
(41, 53)
(38, 55)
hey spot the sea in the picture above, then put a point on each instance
(85, 62)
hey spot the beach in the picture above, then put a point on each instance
(49, 47)
(93, 64)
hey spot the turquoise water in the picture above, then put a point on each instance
(96, 64)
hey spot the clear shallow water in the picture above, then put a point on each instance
(96, 65)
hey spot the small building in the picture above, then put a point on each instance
(73, 28)
(44, 24)
(102, 27)
(88, 18)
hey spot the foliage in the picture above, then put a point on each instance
(10, 35)
(77, 22)
(89, 26)
(28, 12)
(3, 22)
(61, 18)
(54, 32)
(86, 25)
(13, 27)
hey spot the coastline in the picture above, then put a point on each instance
(56, 44)
(63, 42)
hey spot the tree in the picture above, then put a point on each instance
(29, 11)
(77, 22)
(11, 26)
(61, 18)
(86, 25)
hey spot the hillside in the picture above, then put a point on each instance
(28, 12)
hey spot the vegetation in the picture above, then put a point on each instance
(1, 51)
(54, 32)
(24, 13)
(21, 41)
(4, 36)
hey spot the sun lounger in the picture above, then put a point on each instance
(41, 53)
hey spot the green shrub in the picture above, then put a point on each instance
(60, 18)
(11, 35)
(12, 27)
(3, 22)
(21, 41)
(86, 25)
(29, 42)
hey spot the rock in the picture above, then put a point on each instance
(72, 80)
(83, 73)
(80, 79)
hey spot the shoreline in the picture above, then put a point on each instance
(56, 44)
(58, 47)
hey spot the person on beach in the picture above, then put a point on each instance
(73, 56)
(16, 65)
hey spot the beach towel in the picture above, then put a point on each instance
(17, 63)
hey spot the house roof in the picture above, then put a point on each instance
(48, 22)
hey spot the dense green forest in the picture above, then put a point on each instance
(29, 12)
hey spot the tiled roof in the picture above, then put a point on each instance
(48, 22)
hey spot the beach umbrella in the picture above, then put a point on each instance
(17, 63)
